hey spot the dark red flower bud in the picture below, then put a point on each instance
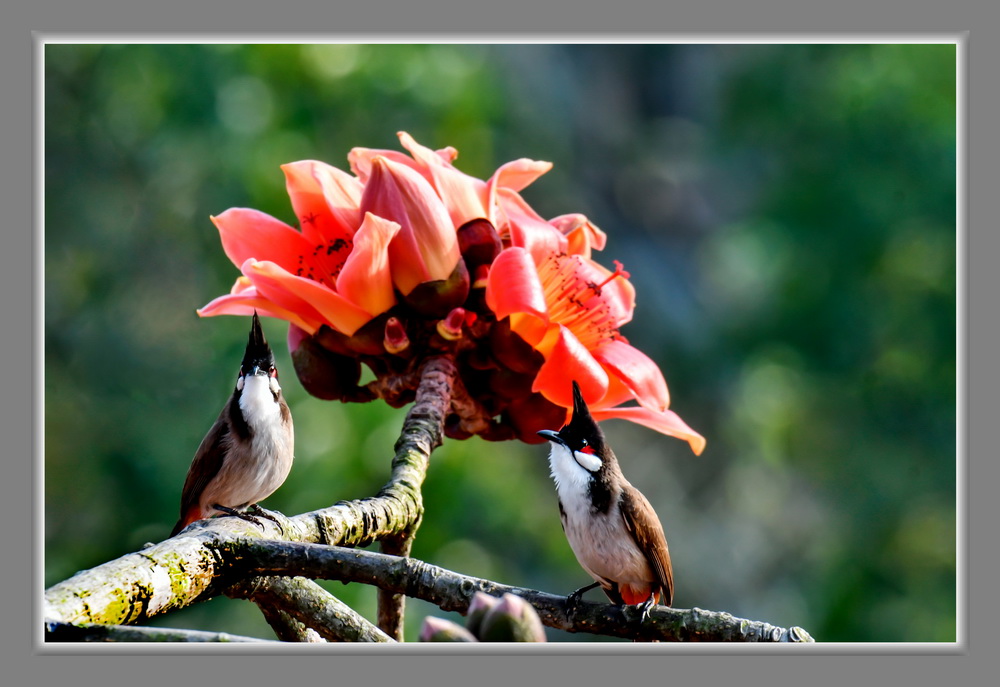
(450, 328)
(438, 298)
(529, 415)
(395, 339)
(512, 351)
(479, 243)
(323, 374)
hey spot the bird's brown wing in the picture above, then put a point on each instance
(642, 523)
(205, 466)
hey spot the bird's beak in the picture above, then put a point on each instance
(552, 436)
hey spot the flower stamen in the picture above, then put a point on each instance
(576, 303)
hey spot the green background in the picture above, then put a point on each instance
(787, 214)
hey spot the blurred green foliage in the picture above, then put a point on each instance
(787, 213)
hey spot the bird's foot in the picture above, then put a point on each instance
(260, 512)
(574, 598)
(249, 517)
(645, 607)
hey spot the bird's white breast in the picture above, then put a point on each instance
(602, 544)
(265, 466)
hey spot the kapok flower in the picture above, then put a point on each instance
(569, 309)
(342, 281)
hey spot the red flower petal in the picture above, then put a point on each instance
(325, 200)
(639, 373)
(567, 359)
(583, 237)
(248, 233)
(519, 174)
(466, 197)
(361, 159)
(304, 295)
(366, 279)
(526, 229)
(244, 301)
(426, 248)
(513, 285)
(665, 422)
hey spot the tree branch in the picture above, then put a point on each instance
(453, 592)
(308, 603)
(90, 632)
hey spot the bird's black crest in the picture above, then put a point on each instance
(582, 426)
(258, 353)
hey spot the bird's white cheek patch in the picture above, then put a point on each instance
(588, 461)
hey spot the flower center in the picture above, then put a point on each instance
(325, 261)
(575, 301)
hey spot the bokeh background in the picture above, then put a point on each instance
(788, 216)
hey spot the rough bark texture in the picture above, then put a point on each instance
(310, 605)
(88, 632)
(453, 592)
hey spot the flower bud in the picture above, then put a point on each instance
(479, 243)
(323, 374)
(450, 328)
(441, 630)
(395, 340)
(481, 605)
(368, 340)
(512, 620)
(439, 297)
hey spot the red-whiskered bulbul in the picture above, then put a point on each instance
(248, 452)
(610, 525)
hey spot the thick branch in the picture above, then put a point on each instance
(453, 592)
(89, 632)
(190, 567)
(314, 607)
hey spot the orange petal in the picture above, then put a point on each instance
(426, 248)
(666, 422)
(583, 237)
(361, 159)
(247, 300)
(637, 370)
(566, 359)
(527, 229)
(513, 285)
(305, 296)
(466, 197)
(519, 174)
(248, 233)
(366, 279)
(325, 200)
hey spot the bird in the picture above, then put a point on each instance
(248, 452)
(611, 527)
